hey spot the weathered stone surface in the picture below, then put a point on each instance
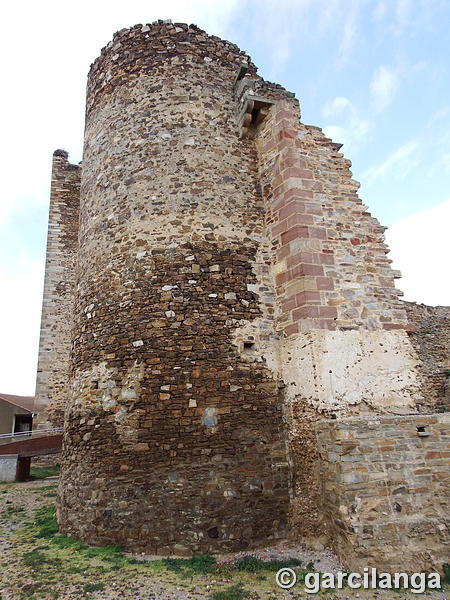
(352, 371)
(385, 490)
(171, 243)
(231, 292)
(57, 308)
(430, 335)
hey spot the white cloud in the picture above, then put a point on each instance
(352, 129)
(20, 310)
(419, 248)
(400, 160)
(336, 106)
(383, 87)
(379, 11)
(349, 34)
(351, 135)
(403, 11)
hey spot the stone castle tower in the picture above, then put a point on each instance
(215, 292)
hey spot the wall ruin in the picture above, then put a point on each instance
(52, 382)
(430, 336)
(232, 291)
(385, 490)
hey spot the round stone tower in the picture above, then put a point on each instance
(175, 438)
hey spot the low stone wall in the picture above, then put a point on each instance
(385, 490)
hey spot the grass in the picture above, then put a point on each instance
(13, 511)
(33, 559)
(43, 472)
(93, 587)
(45, 521)
(197, 565)
(48, 561)
(42, 562)
(235, 592)
(446, 569)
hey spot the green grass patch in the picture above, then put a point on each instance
(94, 587)
(34, 559)
(44, 488)
(47, 491)
(234, 592)
(43, 472)
(197, 565)
(446, 569)
(50, 494)
(45, 521)
(56, 561)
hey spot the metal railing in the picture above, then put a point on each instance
(27, 434)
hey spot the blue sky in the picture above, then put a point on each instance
(373, 74)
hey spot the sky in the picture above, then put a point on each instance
(374, 74)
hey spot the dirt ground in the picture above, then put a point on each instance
(37, 562)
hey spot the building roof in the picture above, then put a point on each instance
(25, 402)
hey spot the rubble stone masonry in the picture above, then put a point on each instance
(430, 335)
(175, 438)
(52, 382)
(232, 291)
(385, 490)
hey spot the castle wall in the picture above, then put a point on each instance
(344, 345)
(385, 491)
(343, 348)
(328, 252)
(175, 437)
(52, 381)
(430, 336)
(232, 292)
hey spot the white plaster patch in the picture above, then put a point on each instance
(336, 369)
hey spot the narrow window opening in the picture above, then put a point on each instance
(421, 431)
(249, 347)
